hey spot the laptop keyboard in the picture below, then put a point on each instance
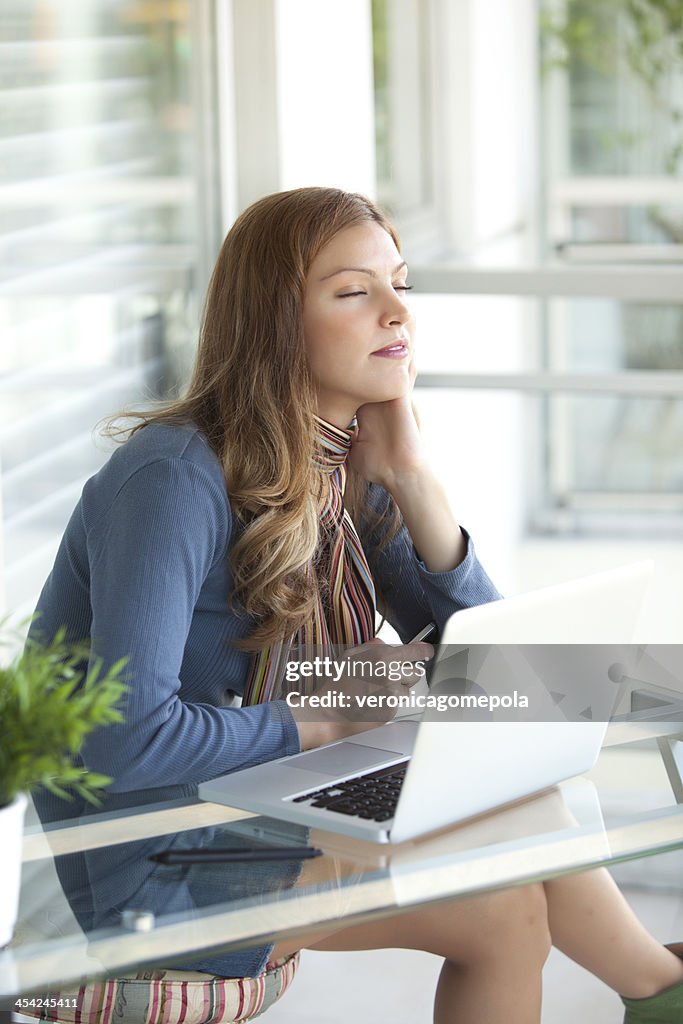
(373, 796)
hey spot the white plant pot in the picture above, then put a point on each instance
(11, 834)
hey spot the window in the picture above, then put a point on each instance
(99, 246)
(612, 89)
(408, 143)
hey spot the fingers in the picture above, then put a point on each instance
(359, 689)
(418, 650)
(378, 650)
(387, 665)
(377, 666)
(412, 672)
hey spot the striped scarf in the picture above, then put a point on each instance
(344, 614)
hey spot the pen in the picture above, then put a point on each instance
(425, 632)
(219, 855)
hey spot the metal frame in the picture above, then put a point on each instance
(671, 749)
(633, 283)
(660, 703)
(629, 382)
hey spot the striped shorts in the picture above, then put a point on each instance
(171, 997)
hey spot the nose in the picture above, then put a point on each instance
(397, 311)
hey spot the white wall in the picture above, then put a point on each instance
(325, 94)
(303, 95)
(503, 88)
(489, 123)
(476, 438)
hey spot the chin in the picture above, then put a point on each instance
(397, 386)
(400, 390)
(383, 396)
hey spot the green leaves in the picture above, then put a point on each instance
(49, 702)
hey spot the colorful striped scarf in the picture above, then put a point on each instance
(344, 614)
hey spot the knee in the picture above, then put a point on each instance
(523, 911)
(532, 917)
(514, 926)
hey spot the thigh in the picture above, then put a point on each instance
(383, 934)
(456, 929)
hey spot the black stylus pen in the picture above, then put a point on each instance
(225, 854)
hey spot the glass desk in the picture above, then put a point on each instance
(144, 915)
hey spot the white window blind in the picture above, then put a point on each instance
(99, 244)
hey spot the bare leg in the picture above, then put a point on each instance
(593, 924)
(494, 948)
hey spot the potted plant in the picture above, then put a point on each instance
(49, 701)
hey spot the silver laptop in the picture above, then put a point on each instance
(408, 778)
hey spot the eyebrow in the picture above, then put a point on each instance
(363, 270)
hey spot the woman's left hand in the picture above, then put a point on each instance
(388, 444)
(388, 450)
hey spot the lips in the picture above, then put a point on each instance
(396, 350)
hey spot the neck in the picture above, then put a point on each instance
(323, 421)
(338, 414)
(332, 445)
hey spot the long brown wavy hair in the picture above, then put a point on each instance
(253, 397)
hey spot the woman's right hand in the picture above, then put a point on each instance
(386, 670)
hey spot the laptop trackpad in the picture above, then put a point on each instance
(342, 758)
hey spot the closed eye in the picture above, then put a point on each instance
(397, 288)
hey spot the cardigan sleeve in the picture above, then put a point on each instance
(411, 595)
(149, 556)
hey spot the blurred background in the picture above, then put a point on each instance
(530, 154)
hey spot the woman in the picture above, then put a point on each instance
(216, 540)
